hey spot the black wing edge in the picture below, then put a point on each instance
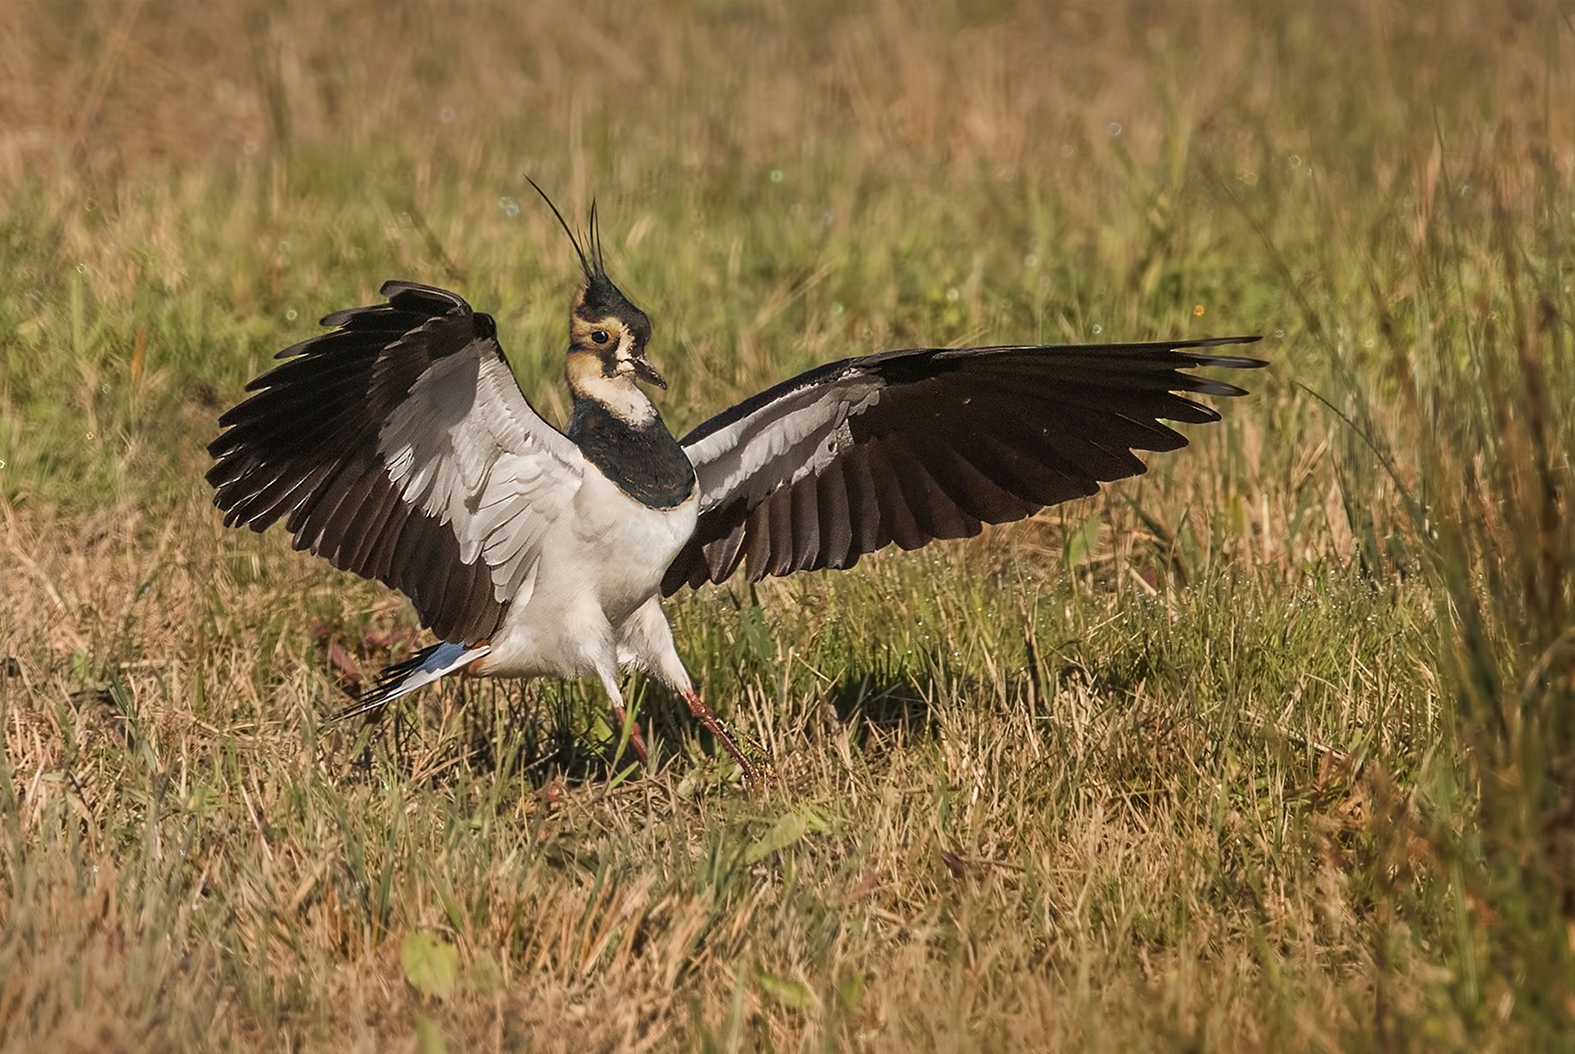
(891, 365)
(304, 448)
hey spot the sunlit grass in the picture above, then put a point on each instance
(1267, 749)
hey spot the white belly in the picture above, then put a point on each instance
(602, 559)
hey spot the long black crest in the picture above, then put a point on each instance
(592, 266)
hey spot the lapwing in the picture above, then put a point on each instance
(400, 447)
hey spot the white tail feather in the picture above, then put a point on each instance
(420, 670)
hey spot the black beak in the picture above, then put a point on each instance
(646, 372)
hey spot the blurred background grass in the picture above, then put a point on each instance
(1272, 748)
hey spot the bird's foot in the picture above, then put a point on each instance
(703, 713)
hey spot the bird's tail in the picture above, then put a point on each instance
(418, 671)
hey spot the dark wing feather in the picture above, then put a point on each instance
(910, 446)
(400, 448)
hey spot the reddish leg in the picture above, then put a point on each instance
(636, 741)
(698, 707)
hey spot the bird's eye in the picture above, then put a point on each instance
(600, 336)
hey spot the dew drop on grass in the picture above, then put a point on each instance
(81, 268)
(776, 175)
(952, 293)
(290, 315)
(1114, 129)
(509, 206)
(1098, 330)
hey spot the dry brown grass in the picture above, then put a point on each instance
(204, 870)
(1206, 790)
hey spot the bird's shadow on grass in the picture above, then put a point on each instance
(505, 731)
(483, 730)
(880, 710)
(520, 732)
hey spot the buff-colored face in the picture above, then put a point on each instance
(607, 341)
(609, 345)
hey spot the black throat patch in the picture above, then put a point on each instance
(645, 461)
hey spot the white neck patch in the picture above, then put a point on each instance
(622, 397)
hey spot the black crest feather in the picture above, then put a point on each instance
(600, 297)
(592, 265)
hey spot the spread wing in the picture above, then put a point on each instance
(401, 448)
(910, 446)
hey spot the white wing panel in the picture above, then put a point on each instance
(465, 447)
(781, 442)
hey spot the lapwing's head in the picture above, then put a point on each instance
(608, 335)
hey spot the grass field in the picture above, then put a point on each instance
(1270, 749)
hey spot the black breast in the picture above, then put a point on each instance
(645, 461)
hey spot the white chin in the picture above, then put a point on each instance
(622, 397)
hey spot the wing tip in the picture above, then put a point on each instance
(1218, 342)
(416, 296)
